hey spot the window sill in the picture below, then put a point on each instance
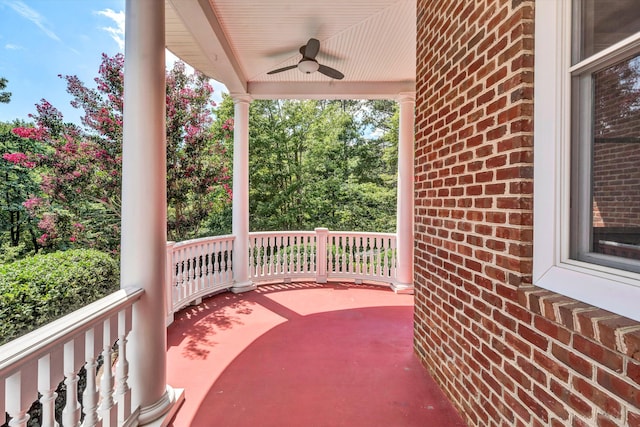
(613, 331)
(616, 296)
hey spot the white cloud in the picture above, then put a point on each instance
(12, 46)
(117, 32)
(33, 16)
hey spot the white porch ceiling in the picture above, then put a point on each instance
(372, 42)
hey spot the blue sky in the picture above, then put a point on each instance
(40, 39)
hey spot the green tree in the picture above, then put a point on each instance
(18, 191)
(5, 96)
(321, 163)
(81, 171)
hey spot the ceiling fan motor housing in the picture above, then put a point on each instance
(308, 66)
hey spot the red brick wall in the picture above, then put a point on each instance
(505, 352)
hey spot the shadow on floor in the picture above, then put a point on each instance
(311, 355)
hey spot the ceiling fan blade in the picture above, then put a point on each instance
(279, 70)
(331, 72)
(311, 49)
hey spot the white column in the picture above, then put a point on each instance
(404, 215)
(144, 205)
(240, 226)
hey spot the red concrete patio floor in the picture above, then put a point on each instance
(303, 354)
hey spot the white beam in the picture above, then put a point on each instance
(215, 57)
(332, 89)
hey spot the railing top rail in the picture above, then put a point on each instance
(360, 234)
(37, 343)
(201, 240)
(281, 233)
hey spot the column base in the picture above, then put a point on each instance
(241, 287)
(160, 413)
(402, 288)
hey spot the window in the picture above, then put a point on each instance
(587, 151)
(605, 151)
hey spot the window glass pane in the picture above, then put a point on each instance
(615, 189)
(602, 23)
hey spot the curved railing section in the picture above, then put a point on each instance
(197, 268)
(200, 267)
(32, 366)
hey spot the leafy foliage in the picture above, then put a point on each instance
(39, 289)
(5, 97)
(317, 163)
(19, 182)
(80, 167)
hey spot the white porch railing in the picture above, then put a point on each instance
(200, 267)
(37, 362)
(362, 256)
(283, 255)
(197, 268)
(322, 255)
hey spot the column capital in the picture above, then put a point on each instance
(241, 98)
(406, 97)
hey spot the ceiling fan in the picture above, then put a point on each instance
(308, 63)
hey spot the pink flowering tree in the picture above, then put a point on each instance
(198, 163)
(81, 169)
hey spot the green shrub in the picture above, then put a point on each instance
(36, 290)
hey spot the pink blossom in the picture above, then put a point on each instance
(31, 203)
(19, 159)
(228, 124)
(72, 239)
(42, 240)
(15, 158)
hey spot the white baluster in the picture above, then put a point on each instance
(49, 376)
(177, 257)
(170, 288)
(107, 408)
(184, 274)
(274, 261)
(393, 260)
(90, 395)
(311, 253)
(206, 264)
(285, 255)
(2, 401)
(123, 391)
(227, 265)
(72, 362)
(299, 249)
(305, 259)
(358, 255)
(266, 269)
(189, 271)
(378, 252)
(199, 253)
(18, 398)
(252, 257)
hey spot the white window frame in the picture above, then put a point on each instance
(608, 288)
